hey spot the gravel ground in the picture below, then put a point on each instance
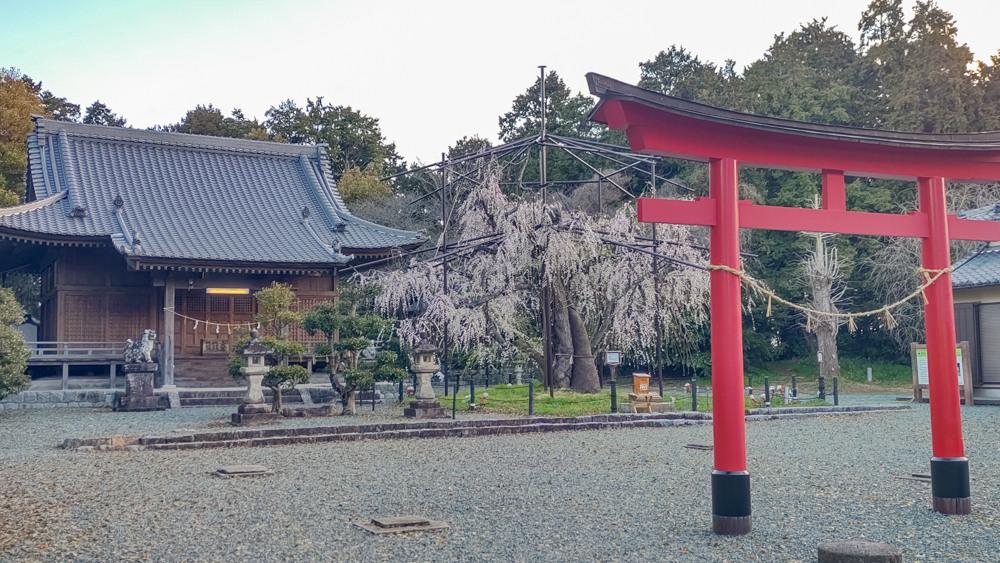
(614, 495)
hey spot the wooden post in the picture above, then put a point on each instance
(167, 352)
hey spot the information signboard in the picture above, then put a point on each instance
(918, 357)
(922, 366)
(612, 358)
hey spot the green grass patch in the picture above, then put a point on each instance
(514, 400)
(852, 370)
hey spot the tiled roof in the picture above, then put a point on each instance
(189, 198)
(981, 267)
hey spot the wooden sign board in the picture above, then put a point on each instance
(214, 347)
(918, 359)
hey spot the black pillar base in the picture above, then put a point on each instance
(731, 503)
(950, 485)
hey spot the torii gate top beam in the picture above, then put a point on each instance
(673, 127)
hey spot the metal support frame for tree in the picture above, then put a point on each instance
(620, 157)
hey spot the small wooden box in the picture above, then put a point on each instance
(640, 383)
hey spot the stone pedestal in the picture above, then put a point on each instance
(139, 395)
(425, 405)
(255, 394)
(254, 414)
(424, 408)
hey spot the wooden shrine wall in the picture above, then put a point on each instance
(88, 295)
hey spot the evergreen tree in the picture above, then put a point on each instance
(100, 114)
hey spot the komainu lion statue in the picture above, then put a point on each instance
(136, 352)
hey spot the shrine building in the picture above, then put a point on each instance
(132, 229)
(976, 281)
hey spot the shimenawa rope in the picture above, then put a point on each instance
(929, 277)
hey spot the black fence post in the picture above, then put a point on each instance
(822, 388)
(472, 392)
(531, 396)
(454, 396)
(767, 393)
(795, 390)
(694, 393)
(614, 396)
(373, 397)
(836, 393)
(400, 391)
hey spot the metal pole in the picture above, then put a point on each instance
(444, 270)
(694, 393)
(614, 397)
(546, 293)
(767, 392)
(600, 196)
(795, 390)
(531, 395)
(454, 398)
(836, 394)
(472, 391)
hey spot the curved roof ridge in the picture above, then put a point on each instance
(605, 87)
(172, 139)
(349, 217)
(37, 204)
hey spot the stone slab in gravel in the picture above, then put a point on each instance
(858, 552)
(608, 495)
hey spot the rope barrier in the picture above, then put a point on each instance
(229, 326)
(929, 277)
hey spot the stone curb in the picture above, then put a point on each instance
(429, 429)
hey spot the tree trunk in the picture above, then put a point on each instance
(585, 376)
(348, 403)
(826, 340)
(823, 275)
(276, 402)
(347, 395)
(562, 340)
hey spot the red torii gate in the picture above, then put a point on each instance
(672, 127)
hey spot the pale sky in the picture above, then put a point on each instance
(431, 71)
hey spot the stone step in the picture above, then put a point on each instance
(295, 399)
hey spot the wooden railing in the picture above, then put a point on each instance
(56, 351)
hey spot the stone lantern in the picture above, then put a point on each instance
(254, 409)
(424, 364)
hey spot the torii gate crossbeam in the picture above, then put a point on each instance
(667, 126)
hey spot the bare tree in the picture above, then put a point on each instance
(821, 270)
(893, 271)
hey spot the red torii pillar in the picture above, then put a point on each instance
(662, 125)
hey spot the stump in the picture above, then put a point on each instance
(859, 552)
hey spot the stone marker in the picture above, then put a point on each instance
(859, 552)
(402, 524)
(242, 471)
